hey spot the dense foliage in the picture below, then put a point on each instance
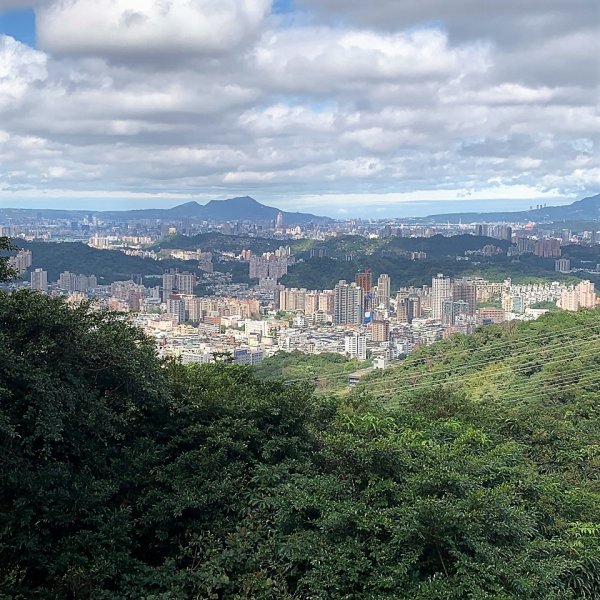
(345, 256)
(107, 265)
(437, 246)
(124, 477)
(6, 272)
(325, 371)
(218, 242)
(324, 273)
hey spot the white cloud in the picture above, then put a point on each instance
(320, 61)
(141, 27)
(20, 69)
(147, 98)
(508, 23)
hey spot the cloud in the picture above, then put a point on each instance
(325, 61)
(508, 22)
(124, 28)
(21, 4)
(148, 98)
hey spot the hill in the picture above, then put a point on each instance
(218, 242)
(509, 366)
(297, 366)
(347, 255)
(107, 265)
(437, 246)
(242, 208)
(315, 273)
(587, 209)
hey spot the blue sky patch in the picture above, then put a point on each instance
(283, 6)
(19, 24)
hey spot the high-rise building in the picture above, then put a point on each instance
(279, 222)
(292, 299)
(169, 283)
(364, 280)
(583, 295)
(380, 331)
(466, 290)
(22, 261)
(348, 304)
(176, 307)
(562, 265)
(355, 345)
(185, 283)
(193, 307)
(69, 282)
(525, 245)
(587, 294)
(402, 309)
(452, 309)
(311, 303)
(261, 267)
(383, 291)
(408, 307)
(441, 289)
(548, 248)
(326, 302)
(39, 280)
(66, 281)
(414, 307)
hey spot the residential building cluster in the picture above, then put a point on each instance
(270, 266)
(582, 295)
(21, 261)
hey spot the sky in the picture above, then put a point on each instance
(336, 107)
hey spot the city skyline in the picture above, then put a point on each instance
(411, 110)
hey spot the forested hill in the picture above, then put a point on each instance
(556, 357)
(536, 382)
(122, 476)
(107, 265)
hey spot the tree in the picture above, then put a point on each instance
(6, 271)
(81, 394)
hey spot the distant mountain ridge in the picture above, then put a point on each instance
(246, 208)
(243, 208)
(587, 209)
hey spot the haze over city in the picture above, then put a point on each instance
(322, 106)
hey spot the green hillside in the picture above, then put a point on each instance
(324, 273)
(107, 265)
(218, 242)
(326, 371)
(555, 355)
(537, 382)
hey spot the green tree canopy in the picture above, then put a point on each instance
(6, 272)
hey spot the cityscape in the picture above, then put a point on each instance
(299, 300)
(373, 318)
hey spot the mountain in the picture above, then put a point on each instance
(587, 209)
(248, 209)
(242, 208)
